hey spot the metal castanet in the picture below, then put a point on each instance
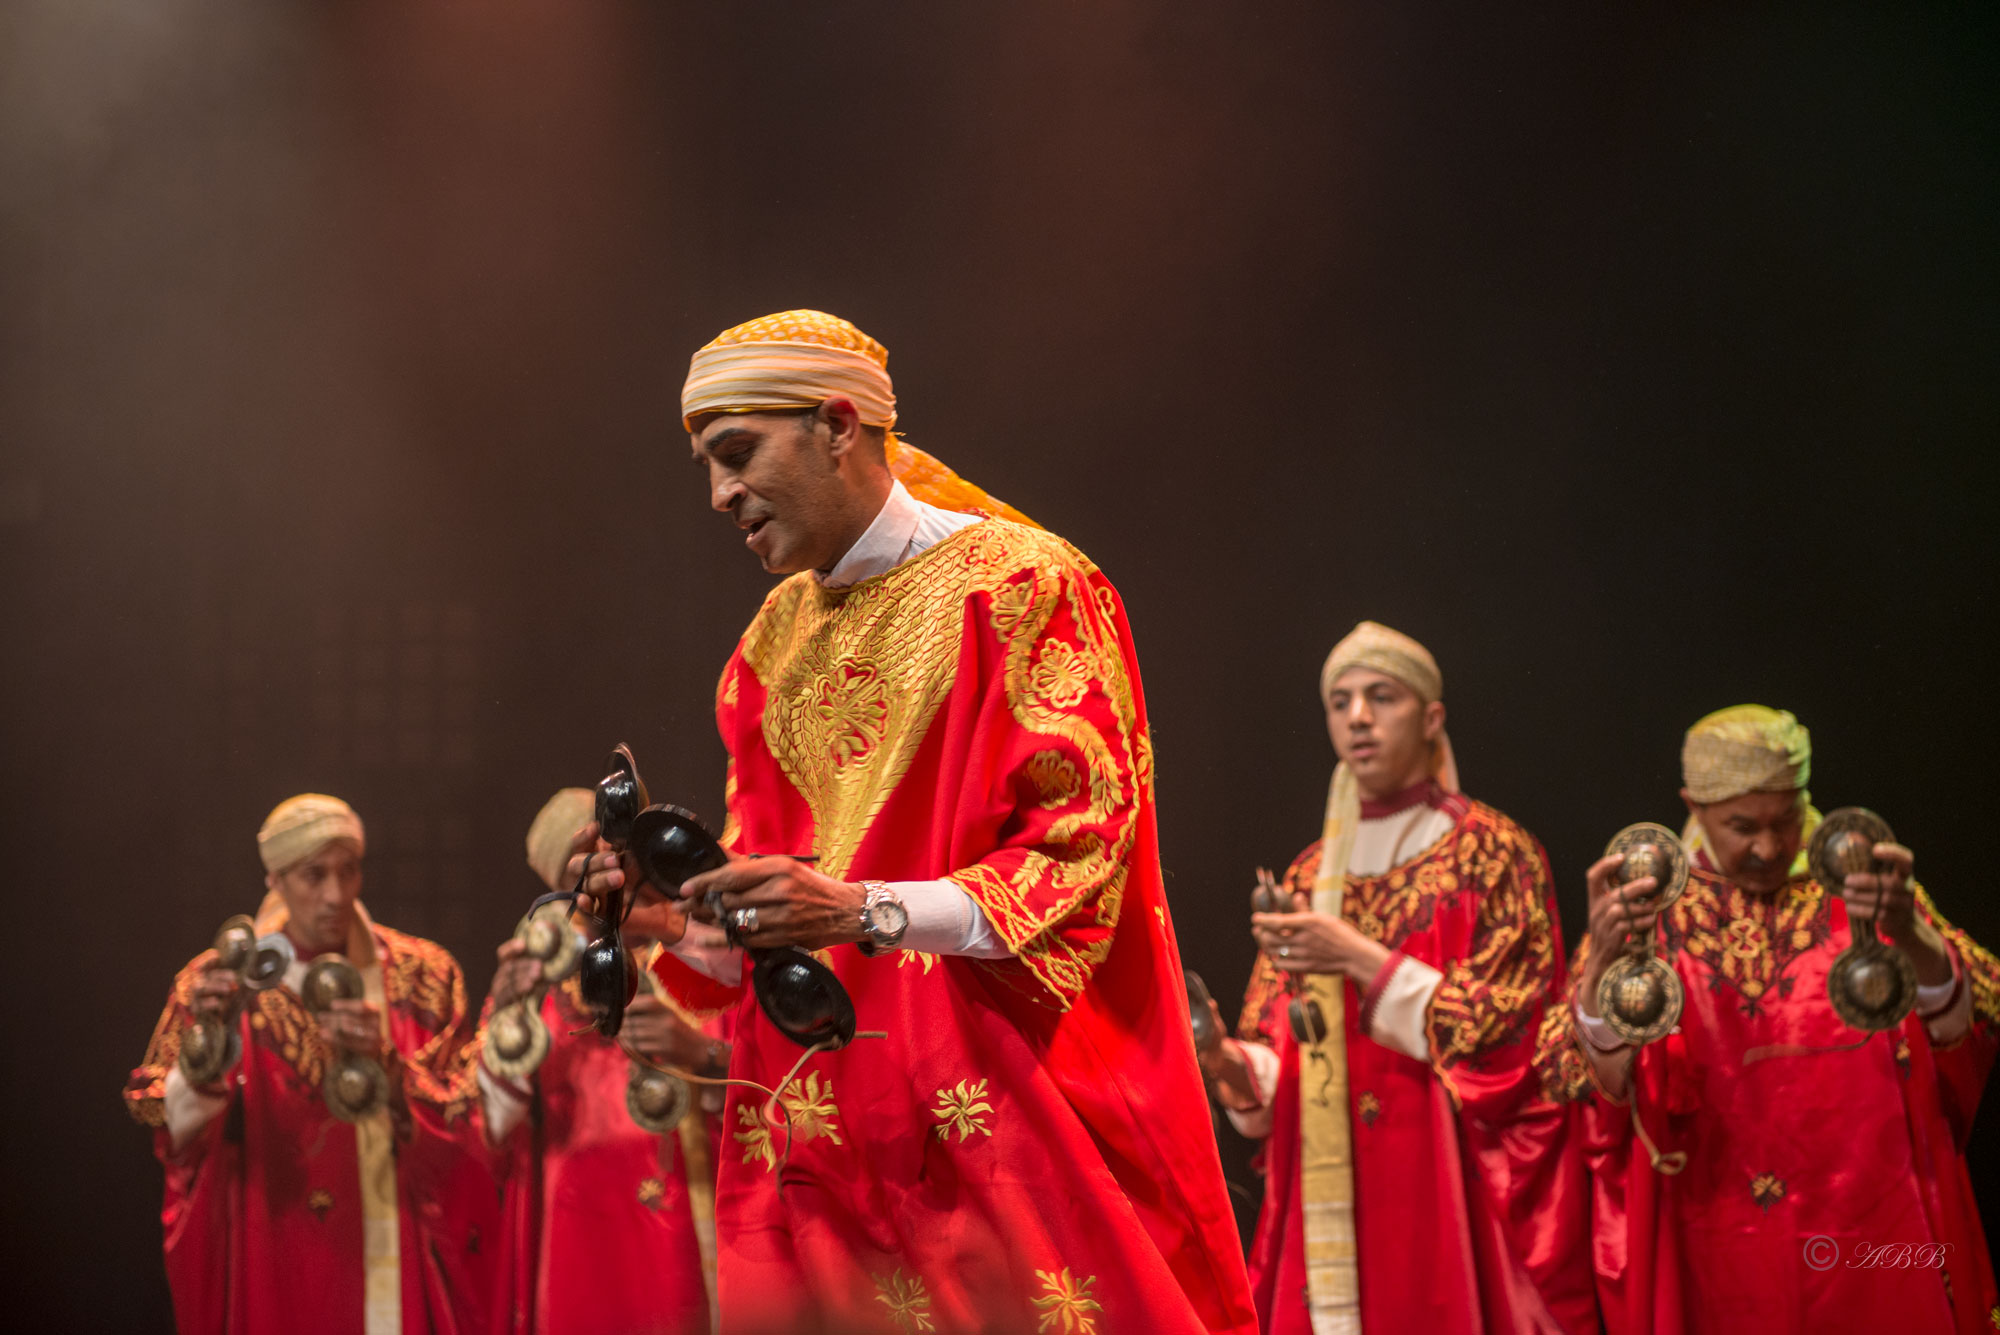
(1872, 985)
(211, 1046)
(355, 1085)
(517, 1042)
(656, 1099)
(1640, 996)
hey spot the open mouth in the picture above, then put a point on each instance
(751, 531)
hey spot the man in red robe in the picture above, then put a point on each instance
(279, 1215)
(1415, 1179)
(1765, 1168)
(610, 1226)
(944, 709)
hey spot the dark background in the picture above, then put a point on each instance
(1638, 363)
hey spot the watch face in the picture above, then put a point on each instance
(888, 919)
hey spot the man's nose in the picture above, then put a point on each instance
(724, 492)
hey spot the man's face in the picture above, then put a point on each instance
(319, 893)
(775, 476)
(1382, 729)
(1753, 838)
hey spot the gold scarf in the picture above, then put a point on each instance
(1326, 1136)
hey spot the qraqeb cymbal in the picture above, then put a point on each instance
(1872, 985)
(1640, 996)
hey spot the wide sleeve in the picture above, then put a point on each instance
(1964, 1065)
(1484, 1015)
(437, 1049)
(1066, 770)
(146, 1087)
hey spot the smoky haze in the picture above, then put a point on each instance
(1639, 365)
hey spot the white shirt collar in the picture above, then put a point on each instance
(904, 527)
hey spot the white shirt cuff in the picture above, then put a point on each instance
(1263, 1062)
(505, 1105)
(1597, 1032)
(1398, 1020)
(944, 920)
(188, 1109)
(1947, 1007)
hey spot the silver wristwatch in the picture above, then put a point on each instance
(883, 919)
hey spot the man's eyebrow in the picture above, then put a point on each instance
(708, 447)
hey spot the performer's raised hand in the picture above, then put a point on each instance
(609, 869)
(352, 1025)
(518, 972)
(655, 1032)
(778, 901)
(1885, 897)
(215, 991)
(1620, 917)
(1319, 943)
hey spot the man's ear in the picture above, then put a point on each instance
(1433, 720)
(843, 423)
(1694, 807)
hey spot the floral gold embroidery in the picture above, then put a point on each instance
(923, 957)
(1061, 676)
(1065, 1304)
(755, 1138)
(1369, 1107)
(319, 1200)
(908, 1303)
(963, 1109)
(853, 708)
(1749, 943)
(1766, 1190)
(651, 1191)
(814, 1114)
(1055, 778)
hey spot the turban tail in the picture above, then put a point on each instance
(555, 825)
(301, 826)
(1747, 749)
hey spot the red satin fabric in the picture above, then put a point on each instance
(1471, 1202)
(1087, 1195)
(262, 1212)
(1858, 1146)
(599, 1236)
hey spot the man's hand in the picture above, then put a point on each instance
(651, 914)
(517, 974)
(1319, 943)
(1619, 916)
(353, 1026)
(795, 905)
(655, 1032)
(215, 992)
(1885, 898)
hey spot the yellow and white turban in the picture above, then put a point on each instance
(800, 359)
(555, 825)
(1746, 749)
(794, 359)
(1393, 654)
(301, 826)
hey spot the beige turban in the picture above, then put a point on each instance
(555, 825)
(301, 826)
(794, 359)
(1745, 749)
(1393, 654)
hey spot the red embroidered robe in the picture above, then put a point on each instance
(1029, 1147)
(600, 1235)
(1471, 1206)
(263, 1212)
(1805, 1144)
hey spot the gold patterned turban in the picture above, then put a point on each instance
(800, 359)
(301, 826)
(1745, 749)
(555, 825)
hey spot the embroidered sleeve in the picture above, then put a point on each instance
(1982, 971)
(1490, 995)
(1076, 769)
(1559, 1062)
(146, 1087)
(423, 979)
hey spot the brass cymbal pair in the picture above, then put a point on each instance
(517, 1042)
(1640, 996)
(355, 1085)
(211, 1046)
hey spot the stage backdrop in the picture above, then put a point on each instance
(1638, 365)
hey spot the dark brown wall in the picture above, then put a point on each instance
(1637, 365)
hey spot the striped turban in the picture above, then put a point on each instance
(555, 825)
(1375, 646)
(301, 826)
(791, 360)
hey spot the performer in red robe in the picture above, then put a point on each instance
(1447, 1195)
(950, 704)
(610, 1226)
(1764, 1167)
(278, 1215)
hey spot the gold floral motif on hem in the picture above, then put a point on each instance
(909, 1303)
(964, 1109)
(1065, 1306)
